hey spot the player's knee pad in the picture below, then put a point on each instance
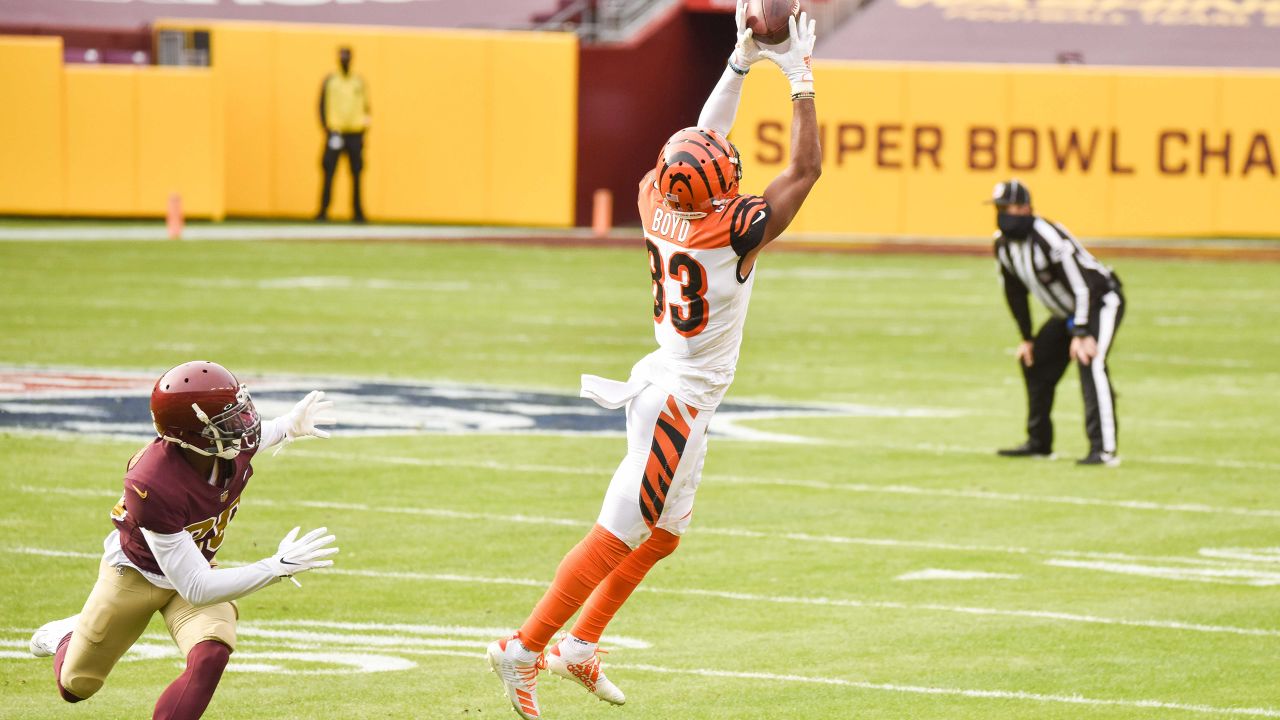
(661, 543)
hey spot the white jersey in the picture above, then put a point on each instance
(700, 296)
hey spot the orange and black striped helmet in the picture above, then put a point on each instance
(698, 170)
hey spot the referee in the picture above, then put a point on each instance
(344, 114)
(1085, 306)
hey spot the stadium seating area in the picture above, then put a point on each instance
(1100, 32)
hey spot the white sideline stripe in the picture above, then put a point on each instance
(940, 574)
(1226, 576)
(54, 553)
(820, 485)
(1004, 497)
(855, 684)
(789, 600)
(1267, 555)
(1228, 561)
(483, 633)
(964, 450)
(956, 692)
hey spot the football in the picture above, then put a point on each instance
(768, 19)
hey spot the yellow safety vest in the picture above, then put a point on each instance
(345, 103)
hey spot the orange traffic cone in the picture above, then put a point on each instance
(173, 219)
(602, 212)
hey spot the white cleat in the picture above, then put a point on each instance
(44, 642)
(519, 678)
(588, 674)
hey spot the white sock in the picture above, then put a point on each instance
(575, 650)
(520, 653)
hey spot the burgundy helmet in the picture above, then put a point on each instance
(202, 407)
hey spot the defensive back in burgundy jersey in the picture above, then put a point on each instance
(165, 495)
(700, 296)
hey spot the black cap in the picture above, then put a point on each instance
(1012, 192)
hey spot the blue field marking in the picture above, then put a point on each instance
(117, 404)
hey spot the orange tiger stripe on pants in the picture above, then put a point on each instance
(670, 436)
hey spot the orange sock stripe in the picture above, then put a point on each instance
(582, 569)
(614, 591)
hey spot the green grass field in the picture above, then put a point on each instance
(1145, 591)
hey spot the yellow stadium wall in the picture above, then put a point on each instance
(107, 140)
(461, 131)
(32, 174)
(915, 150)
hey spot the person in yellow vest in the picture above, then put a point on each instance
(344, 115)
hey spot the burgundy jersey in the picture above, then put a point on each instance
(165, 495)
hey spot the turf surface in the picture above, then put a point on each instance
(791, 573)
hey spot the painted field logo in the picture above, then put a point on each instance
(117, 405)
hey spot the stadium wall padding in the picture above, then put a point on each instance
(914, 149)
(466, 126)
(32, 175)
(107, 140)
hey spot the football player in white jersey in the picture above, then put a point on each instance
(703, 239)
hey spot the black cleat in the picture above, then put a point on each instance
(1026, 449)
(1100, 457)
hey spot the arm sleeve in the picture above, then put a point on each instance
(1015, 294)
(273, 432)
(324, 89)
(722, 106)
(197, 583)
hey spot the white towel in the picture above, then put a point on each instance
(611, 394)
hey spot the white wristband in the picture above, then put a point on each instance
(801, 86)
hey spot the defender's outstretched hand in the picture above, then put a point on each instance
(298, 555)
(797, 61)
(303, 419)
(747, 51)
(311, 411)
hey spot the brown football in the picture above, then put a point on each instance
(768, 19)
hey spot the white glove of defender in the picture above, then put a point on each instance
(298, 555)
(797, 61)
(302, 420)
(746, 52)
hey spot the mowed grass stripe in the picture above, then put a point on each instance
(757, 598)
(367, 458)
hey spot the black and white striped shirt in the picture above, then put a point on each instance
(1055, 267)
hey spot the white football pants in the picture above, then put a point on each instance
(655, 483)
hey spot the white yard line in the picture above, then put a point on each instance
(811, 484)
(954, 692)
(1239, 562)
(785, 599)
(398, 645)
(1000, 496)
(1224, 576)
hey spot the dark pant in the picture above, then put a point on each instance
(353, 145)
(1051, 350)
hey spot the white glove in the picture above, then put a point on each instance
(797, 61)
(298, 555)
(302, 420)
(746, 52)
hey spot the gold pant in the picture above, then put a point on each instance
(116, 614)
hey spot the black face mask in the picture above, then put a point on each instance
(345, 64)
(1016, 227)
